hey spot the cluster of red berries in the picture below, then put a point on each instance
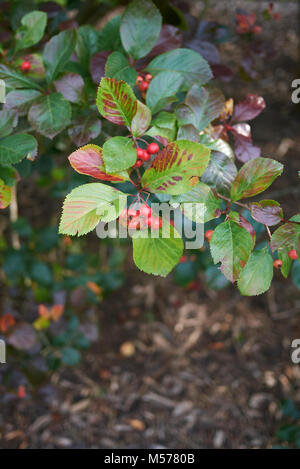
(140, 219)
(25, 66)
(145, 155)
(143, 83)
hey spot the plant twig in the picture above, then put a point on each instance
(13, 215)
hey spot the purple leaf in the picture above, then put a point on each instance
(97, 65)
(267, 212)
(248, 109)
(222, 72)
(243, 146)
(84, 129)
(71, 86)
(206, 49)
(23, 337)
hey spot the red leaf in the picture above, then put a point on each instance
(6, 322)
(248, 109)
(88, 160)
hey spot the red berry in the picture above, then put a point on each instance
(152, 148)
(144, 86)
(155, 223)
(183, 259)
(131, 212)
(134, 223)
(148, 77)
(208, 235)
(21, 392)
(138, 164)
(277, 263)
(139, 80)
(25, 66)
(145, 211)
(140, 152)
(293, 254)
(146, 156)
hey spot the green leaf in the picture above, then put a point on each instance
(119, 153)
(201, 194)
(256, 277)
(174, 167)
(220, 173)
(188, 132)
(193, 67)
(21, 100)
(255, 177)
(57, 52)
(117, 66)
(164, 125)
(242, 221)
(140, 28)
(286, 236)
(70, 356)
(40, 272)
(116, 101)
(15, 79)
(50, 114)
(162, 90)
(231, 245)
(217, 145)
(286, 262)
(8, 120)
(141, 120)
(165, 120)
(157, 256)
(267, 212)
(88, 44)
(201, 106)
(5, 195)
(89, 160)
(32, 29)
(109, 36)
(86, 205)
(15, 147)
(9, 175)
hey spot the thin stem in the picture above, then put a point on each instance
(143, 140)
(269, 232)
(13, 211)
(228, 200)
